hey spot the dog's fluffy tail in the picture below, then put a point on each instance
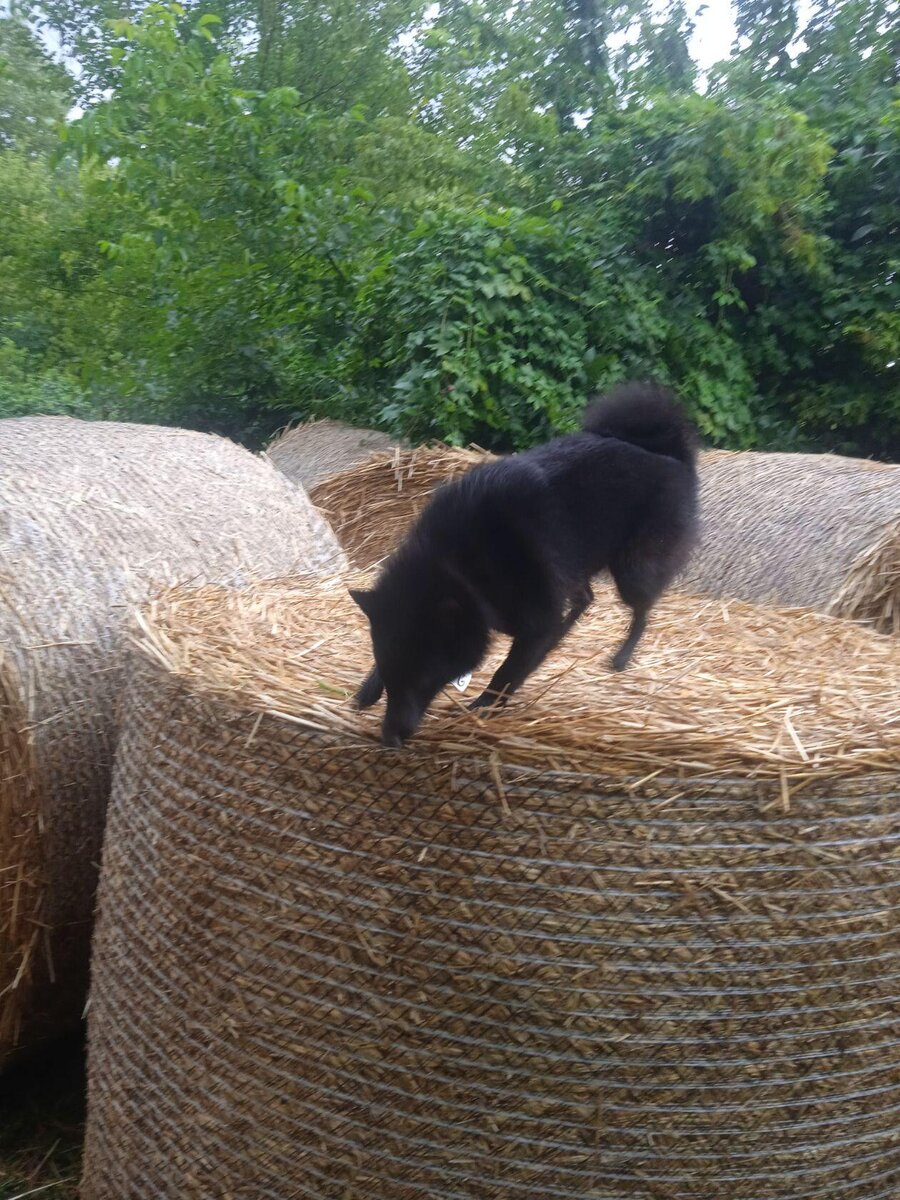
(647, 415)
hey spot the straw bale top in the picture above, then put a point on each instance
(310, 453)
(717, 689)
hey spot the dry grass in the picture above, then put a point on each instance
(634, 939)
(871, 590)
(716, 687)
(42, 1124)
(371, 505)
(816, 530)
(92, 516)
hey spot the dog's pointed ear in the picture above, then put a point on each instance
(364, 599)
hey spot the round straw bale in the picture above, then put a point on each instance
(634, 937)
(91, 516)
(812, 530)
(312, 452)
(371, 505)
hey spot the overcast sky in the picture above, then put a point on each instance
(713, 34)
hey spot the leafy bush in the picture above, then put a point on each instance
(27, 390)
(280, 211)
(475, 328)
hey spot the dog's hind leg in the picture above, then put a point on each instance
(640, 579)
(652, 558)
(622, 656)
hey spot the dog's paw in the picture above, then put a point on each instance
(490, 701)
(620, 661)
(369, 693)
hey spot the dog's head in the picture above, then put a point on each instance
(425, 634)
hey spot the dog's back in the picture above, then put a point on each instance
(619, 496)
(625, 488)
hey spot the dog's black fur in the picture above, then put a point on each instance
(512, 546)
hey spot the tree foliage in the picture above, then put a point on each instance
(454, 222)
(34, 90)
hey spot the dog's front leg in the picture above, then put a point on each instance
(525, 655)
(370, 690)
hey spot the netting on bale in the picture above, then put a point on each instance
(311, 453)
(635, 937)
(92, 516)
(811, 530)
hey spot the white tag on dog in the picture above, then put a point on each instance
(463, 682)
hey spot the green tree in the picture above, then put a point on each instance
(240, 223)
(840, 382)
(41, 243)
(454, 225)
(336, 53)
(34, 91)
(765, 30)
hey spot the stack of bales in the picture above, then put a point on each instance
(92, 517)
(636, 936)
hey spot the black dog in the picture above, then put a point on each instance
(513, 545)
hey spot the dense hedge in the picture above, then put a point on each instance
(454, 226)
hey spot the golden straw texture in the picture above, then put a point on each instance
(370, 506)
(635, 937)
(91, 516)
(311, 453)
(871, 590)
(811, 530)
